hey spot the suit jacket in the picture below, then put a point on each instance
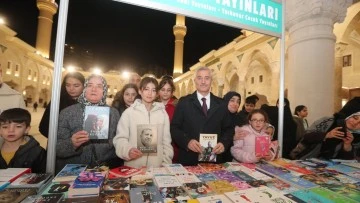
(189, 121)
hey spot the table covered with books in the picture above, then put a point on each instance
(311, 180)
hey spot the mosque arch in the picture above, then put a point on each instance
(190, 88)
(183, 89)
(234, 83)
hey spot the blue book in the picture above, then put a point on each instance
(86, 184)
(297, 181)
(69, 172)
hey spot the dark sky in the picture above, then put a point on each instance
(121, 35)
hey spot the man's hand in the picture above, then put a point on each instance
(134, 153)
(219, 148)
(79, 138)
(194, 146)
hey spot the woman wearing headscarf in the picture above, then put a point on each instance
(337, 136)
(73, 143)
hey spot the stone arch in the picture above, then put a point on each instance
(214, 87)
(234, 83)
(44, 95)
(29, 93)
(183, 89)
(190, 86)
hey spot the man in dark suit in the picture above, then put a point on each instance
(195, 115)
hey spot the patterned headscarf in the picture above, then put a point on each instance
(84, 101)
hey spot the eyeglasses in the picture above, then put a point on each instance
(257, 121)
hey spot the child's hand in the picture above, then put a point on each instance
(79, 138)
(267, 157)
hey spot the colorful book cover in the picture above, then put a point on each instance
(205, 177)
(280, 186)
(166, 181)
(258, 175)
(11, 174)
(236, 166)
(309, 196)
(321, 178)
(221, 186)
(291, 166)
(331, 195)
(241, 185)
(96, 121)
(311, 163)
(238, 196)
(115, 196)
(354, 174)
(57, 188)
(261, 194)
(173, 194)
(69, 173)
(175, 168)
(86, 184)
(137, 181)
(256, 183)
(30, 180)
(210, 167)
(49, 198)
(147, 138)
(145, 195)
(271, 169)
(343, 168)
(262, 145)
(187, 178)
(297, 181)
(349, 190)
(196, 190)
(214, 199)
(124, 172)
(15, 195)
(243, 176)
(207, 142)
(195, 169)
(158, 171)
(226, 175)
(117, 184)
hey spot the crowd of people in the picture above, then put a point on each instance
(145, 114)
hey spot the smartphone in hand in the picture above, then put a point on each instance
(342, 123)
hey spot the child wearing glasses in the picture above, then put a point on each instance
(244, 149)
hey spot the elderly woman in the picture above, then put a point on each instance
(73, 143)
(333, 137)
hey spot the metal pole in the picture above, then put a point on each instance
(282, 79)
(55, 96)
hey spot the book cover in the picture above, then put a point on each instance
(117, 184)
(187, 178)
(297, 181)
(238, 196)
(173, 194)
(124, 172)
(146, 194)
(157, 171)
(11, 174)
(86, 184)
(221, 186)
(207, 142)
(205, 177)
(196, 190)
(141, 181)
(214, 199)
(290, 166)
(115, 196)
(343, 168)
(262, 145)
(331, 195)
(31, 180)
(351, 191)
(241, 185)
(49, 198)
(16, 195)
(309, 196)
(195, 169)
(321, 178)
(265, 194)
(258, 175)
(175, 168)
(147, 138)
(210, 167)
(311, 163)
(271, 169)
(280, 186)
(57, 188)
(236, 166)
(226, 175)
(243, 176)
(96, 121)
(166, 181)
(69, 173)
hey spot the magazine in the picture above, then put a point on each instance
(147, 138)
(207, 142)
(96, 121)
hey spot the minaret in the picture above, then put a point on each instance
(47, 9)
(179, 32)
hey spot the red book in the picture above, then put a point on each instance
(262, 145)
(124, 172)
(11, 174)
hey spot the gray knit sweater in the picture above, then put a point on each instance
(70, 122)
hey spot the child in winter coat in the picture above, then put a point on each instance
(244, 149)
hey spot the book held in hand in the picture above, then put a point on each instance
(96, 121)
(262, 146)
(207, 142)
(147, 138)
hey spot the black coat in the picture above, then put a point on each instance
(30, 155)
(189, 122)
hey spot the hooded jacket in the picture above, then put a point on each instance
(127, 129)
(30, 155)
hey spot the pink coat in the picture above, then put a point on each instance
(244, 149)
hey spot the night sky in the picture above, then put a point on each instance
(121, 35)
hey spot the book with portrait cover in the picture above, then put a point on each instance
(147, 138)
(262, 146)
(207, 142)
(96, 121)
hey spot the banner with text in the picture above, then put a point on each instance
(263, 16)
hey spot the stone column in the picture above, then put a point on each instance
(179, 31)
(311, 48)
(47, 9)
(339, 49)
